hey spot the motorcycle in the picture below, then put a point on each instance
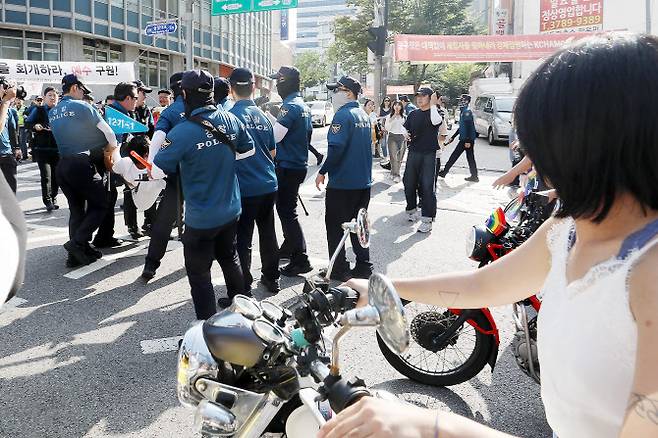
(258, 368)
(451, 346)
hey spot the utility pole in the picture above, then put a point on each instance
(381, 22)
(648, 16)
(188, 18)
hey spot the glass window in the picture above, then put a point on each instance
(117, 33)
(160, 42)
(173, 45)
(117, 15)
(100, 10)
(88, 54)
(132, 5)
(62, 5)
(16, 17)
(39, 20)
(133, 19)
(153, 72)
(197, 36)
(101, 56)
(62, 22)
(207, 39)
(16, 2)
(173, 7)
(11, 48)
(133, 36)
(82, 25)
(207, 53)
(101, 29)
(83, 8)
(40, 4)
(115, 57)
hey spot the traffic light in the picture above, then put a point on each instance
(377, 44)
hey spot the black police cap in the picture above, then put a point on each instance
(197, 80)
(286, 72)
(347, 82)
(241, 76)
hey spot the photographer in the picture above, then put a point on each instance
(44, 148)
(9, 149)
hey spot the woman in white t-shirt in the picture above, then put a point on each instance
(594, 262)
(397, 134)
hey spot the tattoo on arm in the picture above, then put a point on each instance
(644, 407)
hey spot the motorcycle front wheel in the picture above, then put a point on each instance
(453, 362)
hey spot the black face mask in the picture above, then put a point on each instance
(194, 100)
(287, 87)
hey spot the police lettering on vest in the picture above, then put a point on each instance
(70, 122)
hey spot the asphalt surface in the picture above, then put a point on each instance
(89, 352)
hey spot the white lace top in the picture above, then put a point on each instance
(587, 340)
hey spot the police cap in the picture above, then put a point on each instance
(197, 80)
(286, 72)
(347, 82)
(70, 80)
(241, 76)
(141, 86)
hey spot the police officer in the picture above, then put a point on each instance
(258, 187)
(222, 93)
(78, 129)
(143, 113)
(467, 136)
(206, 146)
(168, 207)
(292, 132)
(349, 167)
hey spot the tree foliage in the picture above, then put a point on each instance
(424, 17)
(313, 68)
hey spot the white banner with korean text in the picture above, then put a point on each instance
(53, 71)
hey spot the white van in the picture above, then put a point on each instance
(492, 114)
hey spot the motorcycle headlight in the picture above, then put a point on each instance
(194, 361)
(478, 238)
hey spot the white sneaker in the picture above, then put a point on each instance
(425, 226)
(412, 215)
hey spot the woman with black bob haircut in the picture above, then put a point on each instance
(594, 262)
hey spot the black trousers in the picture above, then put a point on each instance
(48, 170)
(470, 156)
(8, 165)
(86, 195)
(201, 247)
(289, 181)
(163, 223)
(106, 229)
(259, 211)
(130, 212)
(419, 181)
(343, 206)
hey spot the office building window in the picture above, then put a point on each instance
(11, 48)
(100, 51)
(16, 17)
(154, 69)
(39, 20)
(42, 50)
(45, 4)
(62, 5)
(62, 22)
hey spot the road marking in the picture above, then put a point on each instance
(161, 345)
(14, 302)
(55, 236)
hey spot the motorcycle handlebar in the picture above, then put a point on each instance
(319, 370)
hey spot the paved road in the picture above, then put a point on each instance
(90, 352)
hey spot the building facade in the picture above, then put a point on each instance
(315, 19)
(113, 31)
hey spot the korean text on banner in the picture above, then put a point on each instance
(54, 71)
(557, 16)
(434, 49)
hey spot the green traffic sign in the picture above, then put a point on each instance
(225, 7)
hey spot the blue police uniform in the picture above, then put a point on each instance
(467, 134)
(409, 108)
(291, 164)
(212, 197)
(258, 186)
(8, 138)
(349, 167)
(226, 103)
(170, 202)
(74, 125)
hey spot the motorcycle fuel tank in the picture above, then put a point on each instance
(231, 338)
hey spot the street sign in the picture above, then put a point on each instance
(160, 28)
(225, 7)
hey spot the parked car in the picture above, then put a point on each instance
(322, 112)
(492, 114)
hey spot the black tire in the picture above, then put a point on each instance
(465, 371)
(490, 136)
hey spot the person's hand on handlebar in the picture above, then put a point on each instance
(375, 418)
(361, 286)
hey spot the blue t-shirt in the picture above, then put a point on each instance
(349, 156)
(467, 125)
(73, 123)
(207, 167)
(256, 174)
(171, 116)
(10, 124)
(292, 151)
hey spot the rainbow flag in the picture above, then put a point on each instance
(496, 223)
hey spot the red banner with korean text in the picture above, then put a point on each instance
(434, 49)
(556, 16)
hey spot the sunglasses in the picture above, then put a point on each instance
(336, 90)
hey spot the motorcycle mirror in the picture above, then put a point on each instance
(361, 227)
(392, 322)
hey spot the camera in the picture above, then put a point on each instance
(20, 91)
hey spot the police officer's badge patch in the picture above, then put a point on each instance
(335, 128)
(283, 112)
(166, 144)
